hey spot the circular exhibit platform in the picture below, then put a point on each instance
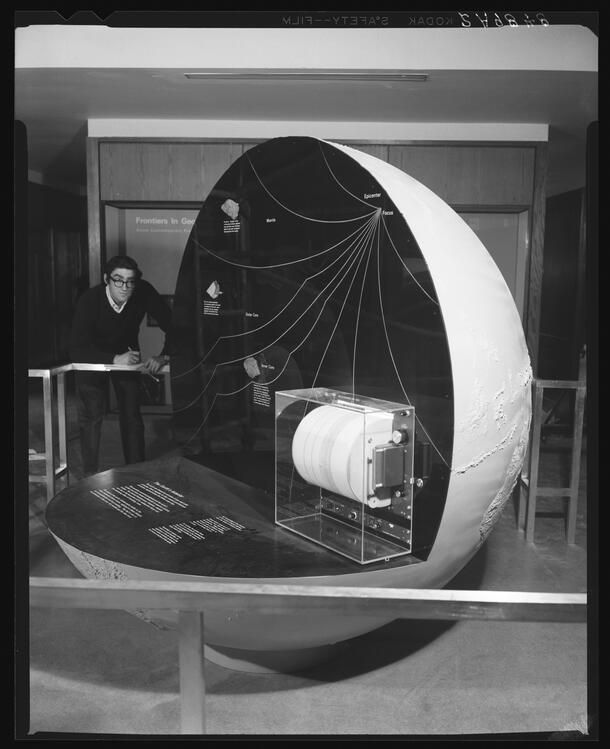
(173, 519)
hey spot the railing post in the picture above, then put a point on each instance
(532, 489)
(61, 423)
(523, 482)
(47, 391)
(579, 412)
(192, 680)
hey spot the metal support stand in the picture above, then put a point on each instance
(52, 473)
(192, 678)
(529, 489)
(191, 599)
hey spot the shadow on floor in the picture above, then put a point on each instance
(86, 643)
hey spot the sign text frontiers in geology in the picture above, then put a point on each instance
(163, 223)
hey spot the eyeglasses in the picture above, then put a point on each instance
(130, 283)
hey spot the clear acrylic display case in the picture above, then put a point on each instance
(344, 472)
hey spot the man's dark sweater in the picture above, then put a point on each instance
(99, 333)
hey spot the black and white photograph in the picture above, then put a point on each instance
(305, 422)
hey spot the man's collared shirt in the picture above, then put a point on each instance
(113, 304)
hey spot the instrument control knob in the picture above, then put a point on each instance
(400, 436)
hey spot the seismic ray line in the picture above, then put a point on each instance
(337, 322)
(366, 268)
(300, 215)
(363, 229)
(289, 262)
(205, 387)
(362, 253)
(313, 384)
(269, 382)
(384, 325)
(205, 418)
(341, 185)
(353, 255)
(405, 266)
(348, 262)
(425, 431)
(393, 360)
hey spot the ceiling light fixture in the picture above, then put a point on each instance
(341, 76)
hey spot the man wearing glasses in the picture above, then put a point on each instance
(105, 331)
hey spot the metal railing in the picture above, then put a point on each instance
(191, 600)
(529, 487)
(51, 473)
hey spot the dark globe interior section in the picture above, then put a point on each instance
(300, 272)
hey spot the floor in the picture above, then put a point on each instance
(108, 672)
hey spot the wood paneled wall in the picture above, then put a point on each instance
(183, 171)
(57, 270)
(162, 171)
(471, 175)
(562, 318)
(476, 176)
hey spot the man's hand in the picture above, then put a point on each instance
(154, 364)
(129, 357)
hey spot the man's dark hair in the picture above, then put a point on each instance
(122, 261)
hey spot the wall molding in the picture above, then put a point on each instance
(374, 131)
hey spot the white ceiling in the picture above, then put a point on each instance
(55, 102)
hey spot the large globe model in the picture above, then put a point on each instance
(316, 265)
